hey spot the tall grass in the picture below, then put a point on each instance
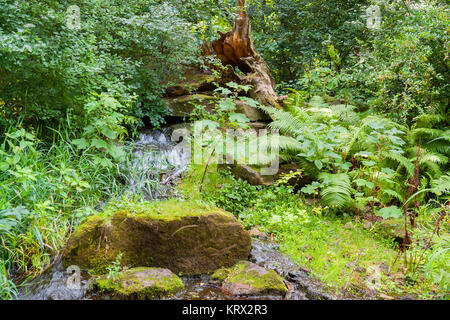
(46, 188)
(8, 290)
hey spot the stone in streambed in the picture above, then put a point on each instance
(182, 236)
(140, 283)
(249, 279)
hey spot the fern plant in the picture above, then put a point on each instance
(357, 159)
(431, 132)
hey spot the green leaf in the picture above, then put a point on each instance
(4, 166)
(238, 118)
(108, 132)
(364, 183)
(226, 105)
(390, 212)
(99, 144)
(249, 101)
(318, 164)
(81, 143)
(369, 163)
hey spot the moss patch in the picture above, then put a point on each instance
(141, 283)
(246, 278)
(220, 274)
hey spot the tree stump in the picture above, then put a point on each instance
(235, 49)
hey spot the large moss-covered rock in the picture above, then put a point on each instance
(184, 105)
(140, 283)
(249, 279)
(182, 236)
(194, 81)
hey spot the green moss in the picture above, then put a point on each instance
(141, 283)
(262, 280)
(183, 106)
(221, 274)
(168, 210)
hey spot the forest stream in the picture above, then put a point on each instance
(155, 149)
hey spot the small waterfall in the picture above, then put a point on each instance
(158, 160)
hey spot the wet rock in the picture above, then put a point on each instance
(252, 175)
(258, 125)
(311, 287)
(55, 284)
(256, 233)
(182, 236)
(266, 255)
(140, 284)
(249, 279)
(220, 274)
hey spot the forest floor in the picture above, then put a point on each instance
(348, 254)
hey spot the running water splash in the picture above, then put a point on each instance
(158, 160)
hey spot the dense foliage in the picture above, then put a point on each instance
(366, 120)
(402, 68)
(51, 66)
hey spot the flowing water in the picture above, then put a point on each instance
(159, 158)
(162, 150)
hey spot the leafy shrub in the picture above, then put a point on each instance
(235, 197)
(402, 69)
(121, 48)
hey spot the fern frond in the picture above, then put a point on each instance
(309, 168)
(337, 191)
(345, 113)
(403, 161)
(392, 194)
(430, 133)
(428, 120)
(441, 185)
(433, 168)
(317, 102)
(433, 157)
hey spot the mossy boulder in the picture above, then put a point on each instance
(140, 283)
(182, 236)
(249, 279)
(184, 105)
(194, 81)
(390, 229)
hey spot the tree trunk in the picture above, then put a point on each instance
(235, 49)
